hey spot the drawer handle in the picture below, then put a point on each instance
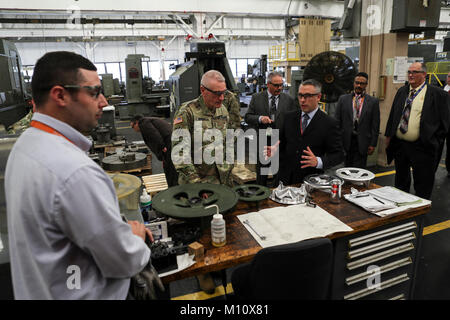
(383, 285)
(381, 234)
(399, 297)
(383, 269)
(379, 256)
(381, 245)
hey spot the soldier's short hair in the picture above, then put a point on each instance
(210, 75)
(312, 82)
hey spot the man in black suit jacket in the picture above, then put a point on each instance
(414, 140)
(310, 140)
(157, 135)
(266, 109)
(358, 115)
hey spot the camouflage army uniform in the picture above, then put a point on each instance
(231, 102)
(196, 110)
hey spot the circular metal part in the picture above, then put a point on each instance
(321, 182)
(252, 192)
(334, 70)
(186, 201)
(117, 162)
(355, 175)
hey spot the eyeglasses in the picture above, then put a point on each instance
(307, 95)
(217, 93)
(277, 85)
(415, 71)
(94, 90)
(360, 83)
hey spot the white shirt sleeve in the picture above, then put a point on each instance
(87, 210)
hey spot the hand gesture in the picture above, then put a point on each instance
(309, 159)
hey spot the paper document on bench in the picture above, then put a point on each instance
(282, 225)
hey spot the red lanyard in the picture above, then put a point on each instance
(41, 126)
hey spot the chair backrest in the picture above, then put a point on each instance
(300, 270)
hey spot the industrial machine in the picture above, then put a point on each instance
(185, 81)
(142, 95)
(257, 72)
(15, 102)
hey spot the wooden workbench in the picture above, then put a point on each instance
(241, 247)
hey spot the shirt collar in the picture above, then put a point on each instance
(312, 113)
(66, 130)
(270, 95)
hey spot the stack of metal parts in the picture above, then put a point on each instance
(288, 195)
(126, 159)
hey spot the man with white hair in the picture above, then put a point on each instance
(205, 112)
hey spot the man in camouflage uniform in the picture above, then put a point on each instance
(231, 102)
(195, 116)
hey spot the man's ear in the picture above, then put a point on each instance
(59, 95)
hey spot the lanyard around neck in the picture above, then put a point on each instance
(42, 126)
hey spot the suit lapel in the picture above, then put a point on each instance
(266, 102)
(312, 123)
(364, 108)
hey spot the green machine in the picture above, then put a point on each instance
(143, 96)
(14, 100)
(185, 81)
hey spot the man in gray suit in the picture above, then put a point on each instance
(266, 110)
(358, 115)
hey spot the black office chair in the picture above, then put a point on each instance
(294, 271)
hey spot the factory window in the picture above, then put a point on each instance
(145, 71)
(232, 63)
(113, 67)
(241, 67)
(155, 70)
(100, 68)
(123, 77)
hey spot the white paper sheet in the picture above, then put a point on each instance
(282, 225)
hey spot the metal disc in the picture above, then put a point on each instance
(115, 163)
(355, 175)
(252, 192)
(320, 181)
(185, 201)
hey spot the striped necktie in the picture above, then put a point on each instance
(304, 122)
(406, 113)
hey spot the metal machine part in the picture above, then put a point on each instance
(252, 192)
(128, 191)
(335, 71)
(188, 201)
(355, 175)
(204, 56)
(288, 195)
(321, 182)
(14, 100)
(125, 159)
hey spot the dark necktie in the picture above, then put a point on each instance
(406, 113)
(305, 122)
(273, 107)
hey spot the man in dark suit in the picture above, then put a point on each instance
(310, 140)
(415, 131)
(358, 116)
(266, 110)
(157, 134)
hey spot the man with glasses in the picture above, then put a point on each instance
(415, 131)
(67, 239)
(358, 116)
(196, 116)
(310, 140)
(266, 110)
